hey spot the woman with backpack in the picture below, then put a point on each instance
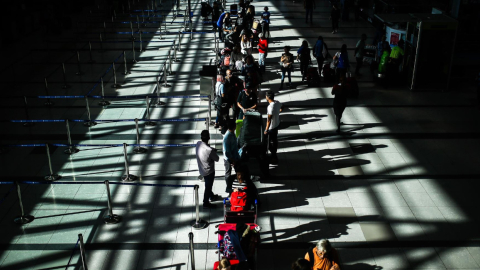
(341, 62)
(303, 55)
(340, 91)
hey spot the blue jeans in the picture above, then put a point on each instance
(261, 59)
(289, 73)
(307, 12)
(208, 194)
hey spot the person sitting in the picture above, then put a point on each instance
(323, 256)
(224, 264)
(243, 178)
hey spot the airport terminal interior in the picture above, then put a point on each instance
(103, 103)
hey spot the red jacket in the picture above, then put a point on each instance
(262, 45)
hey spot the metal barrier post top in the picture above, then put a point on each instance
(125, 64)
(103, 102)
(110, 218)
(48, 103)
(192, 251)
(82, 252)
(79, 72)
(115, 84)
(199, 223)
(159, 87)
(22, 219)
(27, 124)
(148, 123)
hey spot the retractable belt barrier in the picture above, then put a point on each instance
(110, 218)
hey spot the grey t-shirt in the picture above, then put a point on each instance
(206, 158)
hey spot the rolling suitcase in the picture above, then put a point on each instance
(313, 79)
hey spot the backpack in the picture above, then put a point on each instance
(226, 60)
(238, 201)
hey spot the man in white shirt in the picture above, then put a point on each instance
(273, 121)
(206, 158)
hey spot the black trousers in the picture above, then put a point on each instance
(359, 64)
(273, 141)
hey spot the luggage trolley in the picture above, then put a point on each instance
(244, 216)
(251, 253)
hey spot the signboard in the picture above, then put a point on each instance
(394, 38)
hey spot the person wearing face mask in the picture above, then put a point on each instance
(323, 256)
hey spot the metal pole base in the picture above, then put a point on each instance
(71, 151)
(134, 61)
(114, 219)
(24, 219)
(104, 103)
(89, 124)
(66, 86)
(139, 150)
(201, 224)
(49, 104)
(28, 124)
(129, 178)
(159, 103)
(52, 177)
(150, 123)
(126, 73)
(116, 85)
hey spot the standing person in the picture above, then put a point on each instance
(334, 17)
(266, 22)
(235, 85)
(247, 100)
(359, 53)
(262, 51)
(303, 55)
(251, 72)
(230, 154)
(323, 256)
(287, 66)
(220, 99)
(309, 6)
(273, 121)
(206, 158)
(216, 12)
(382, 46)
(342, 62)
(249, 17)
(320, 50)
(340, 91)
(237, 57)
(220, 25)
(246, 45)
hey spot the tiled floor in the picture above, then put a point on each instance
(396, 190)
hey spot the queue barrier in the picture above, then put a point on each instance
(110, 217)
(73, 252)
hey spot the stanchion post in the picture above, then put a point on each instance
(138, 149)
(82, 251)
(90, 52)
(79, 72)
(140, 40)
(115, 84)
(27, 124)
(159, 103)
(192, 251)
(179, 41)
(199, 223)
(110, 218)
(133, 52)
(48, 102)
(52, 176)
(71, 149)
(104, 29)
(149, 123)
(165, 83)
(131, 31)
(170, 72)
(174, 51)
(125, 72)
(138, 24)
(209, 110)
(103, 102)
(101, 43)
(127, 177)
(88, 123)
(22, 219)
(65, 85)
(160, 28)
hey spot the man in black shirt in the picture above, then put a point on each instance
(247, 100)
